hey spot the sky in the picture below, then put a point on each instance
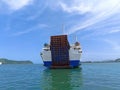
(25, 25)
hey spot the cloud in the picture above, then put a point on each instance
(108, 31)
(76, 6)
(17, 4)
(115, 44)
(37, 27)
(38, 9)
(32, 17)
(114, 31)
(101, 33)
(98, 11)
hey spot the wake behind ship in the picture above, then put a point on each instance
(60, 54)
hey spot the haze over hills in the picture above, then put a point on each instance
(104, 61)
(7, 61)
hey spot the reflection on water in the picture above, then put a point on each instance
(61, 79)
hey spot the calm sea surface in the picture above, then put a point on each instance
(92, 76)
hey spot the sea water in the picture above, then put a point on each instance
(92, 76)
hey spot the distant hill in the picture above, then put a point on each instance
(117, 60)
(6, 61)
(105, 61)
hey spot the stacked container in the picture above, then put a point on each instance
(59, 46)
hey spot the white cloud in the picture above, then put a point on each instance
(99, 10)
(114, 31)
(17, 4)
(76, 6)
(101, 33)
(40, 9)
(37, 27)
(115, 44)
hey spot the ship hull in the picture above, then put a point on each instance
(72, 64)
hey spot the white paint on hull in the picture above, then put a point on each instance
(74, 54)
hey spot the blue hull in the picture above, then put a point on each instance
(72, 64)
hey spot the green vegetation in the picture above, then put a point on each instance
(6, 61)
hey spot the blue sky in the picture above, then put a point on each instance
(25, 25)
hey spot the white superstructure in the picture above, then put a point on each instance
(74, 52)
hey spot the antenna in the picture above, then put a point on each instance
(76, 39)
(63, 28)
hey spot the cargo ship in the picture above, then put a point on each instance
(60, 54)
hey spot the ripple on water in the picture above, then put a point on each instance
(94, 76)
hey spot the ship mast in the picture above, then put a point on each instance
(76, 39)
(63, 29)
